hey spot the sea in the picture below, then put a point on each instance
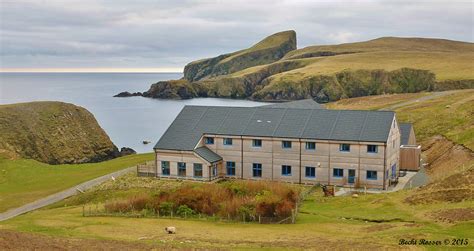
(128, 121)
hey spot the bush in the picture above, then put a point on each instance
(184, 211)
(166, 208)
(235, 199)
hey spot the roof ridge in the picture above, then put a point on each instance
(306, 123)
(363, 125)
(248, 122)
(335, 122)
(279, 122)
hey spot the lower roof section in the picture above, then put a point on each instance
(207, 154)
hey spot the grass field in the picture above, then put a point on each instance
(24, 180)
(450, 115)
(322, 223)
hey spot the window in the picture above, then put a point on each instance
(230, 167)
(338, 172)
(197, 170)
(181, 169)
(286, 144)
(310, 145)
(372, 149)
(286, 170)
(165, 167)
(257, 170)
(227, 141)
(344, 148)
(209, 141)
(257, 143)
(310, 172)
(371, 175)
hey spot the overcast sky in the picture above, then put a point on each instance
(168, 34)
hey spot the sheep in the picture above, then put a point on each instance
(170, 230)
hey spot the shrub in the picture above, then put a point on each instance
(184, 211)
(166, 208)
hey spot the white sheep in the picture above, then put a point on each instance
(170, 230)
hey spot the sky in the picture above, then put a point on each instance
(154, 36)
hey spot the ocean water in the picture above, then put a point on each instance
(128, 121)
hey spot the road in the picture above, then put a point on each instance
(62, 195)
(416, 100)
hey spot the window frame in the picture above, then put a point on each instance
(180, 168)
(376, 148)
(227, 141)
(256, 145)
(209, 140)
(257, 167)
(227, 168)
(306, 172)
(286, 170)
(165, 168)
(194, 170)
(341, 148)
(372, 172)
(310, 143)
(334, 173)
(283, 142)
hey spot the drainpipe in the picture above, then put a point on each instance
(241, 157)
(300, 161)
(329, 164)
(358, 171)
(384, 164)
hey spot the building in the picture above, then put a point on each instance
(410, 152)
(299, 145)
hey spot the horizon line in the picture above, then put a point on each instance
(92, 70)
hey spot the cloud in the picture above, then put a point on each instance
(144, 34)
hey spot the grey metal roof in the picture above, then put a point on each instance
(405, 129)
(304, 103)
(343, 125)
(207, 154)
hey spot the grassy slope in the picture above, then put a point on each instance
(323, 222)
(450, 115)
(53, 132)
(23, 181)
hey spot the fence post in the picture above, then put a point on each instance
(83, 210)
(259, 220)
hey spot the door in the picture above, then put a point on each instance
(352, 174)
(214, 170)
(394, 171)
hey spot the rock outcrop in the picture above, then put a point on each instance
(267, 51)
(274, 69)
(54, 133)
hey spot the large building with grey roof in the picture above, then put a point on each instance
(295, 143)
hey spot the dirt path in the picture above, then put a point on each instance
(424, 98)
(62, 195)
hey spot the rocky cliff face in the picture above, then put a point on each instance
(53, 132)
(274, 69)
(267, 51)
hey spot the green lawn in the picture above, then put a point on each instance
(322, 223)
(24, 180)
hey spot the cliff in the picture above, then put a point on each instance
(274, 69)
(54, 133)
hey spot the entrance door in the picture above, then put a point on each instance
(394, 171)
(214, 170)
(352, 174)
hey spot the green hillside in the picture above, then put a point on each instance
(53, 132)
(326, 72)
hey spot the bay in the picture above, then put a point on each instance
(128, 121)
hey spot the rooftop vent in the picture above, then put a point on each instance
(259, 121)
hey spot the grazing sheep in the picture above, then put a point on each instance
(170, 230)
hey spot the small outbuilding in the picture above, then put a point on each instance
(410, 152)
